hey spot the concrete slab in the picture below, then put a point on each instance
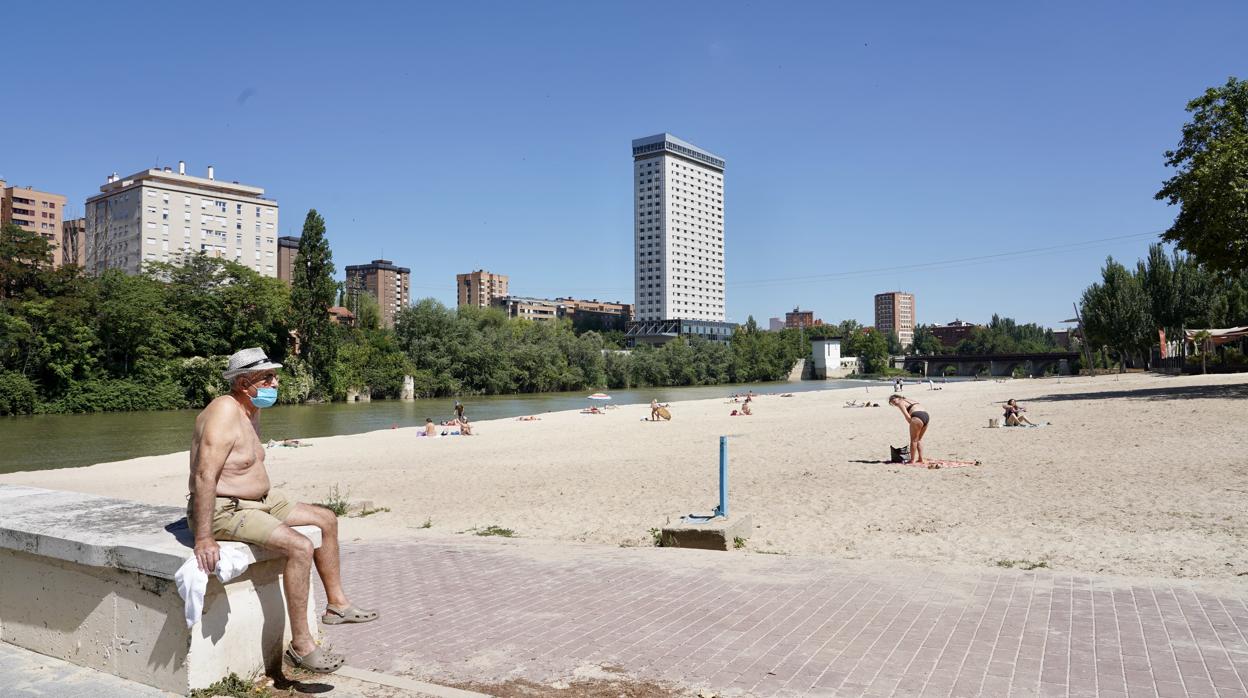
(716, 534)
(103, 532)
(28, 674)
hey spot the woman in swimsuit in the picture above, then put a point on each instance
(917, 419)
(1014, 415)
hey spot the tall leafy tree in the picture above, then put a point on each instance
(312, 294)
(1211, 182)
(25, 258)
(1116, 313)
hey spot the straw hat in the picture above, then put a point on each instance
(248, 361)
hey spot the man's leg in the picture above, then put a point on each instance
(326, 557)
(295, 577)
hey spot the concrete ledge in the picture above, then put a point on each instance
(716, 534)
(88, 579)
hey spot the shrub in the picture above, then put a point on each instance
(17, 394)
(119, 395)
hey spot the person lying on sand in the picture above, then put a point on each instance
(1014, 415)
(592, 410)
(917, 419)
(528, 418)
(864, 403)
(786, 394)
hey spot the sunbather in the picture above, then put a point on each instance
(431, 429)
(1014, 415)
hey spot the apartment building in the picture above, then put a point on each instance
(678, 212)
(800, 318)
(73, 241)
(381, 279)
(158, 215)
(480, 288)
(36, 212)
(894, 312)
(287, 250)
(956, 331)
(597, 315)
(540, 309)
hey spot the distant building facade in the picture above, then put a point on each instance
(800, 318)
(678, 236)
(775, 324)
(73, 241)
(956, 331)
(388, 284)
(894, 312)
(540, 309)
(480, 288)
(37, 212)
(287, 250)
(157, 215)
(597, 315)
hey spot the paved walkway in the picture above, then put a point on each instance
(493, 611)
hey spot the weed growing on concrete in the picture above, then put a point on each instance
(233, 687)
(657, 534)
(370, 512)
(428, 523)
(738, 542)
(337, 501)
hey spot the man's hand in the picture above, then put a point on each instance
(207, 552)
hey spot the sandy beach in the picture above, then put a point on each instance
(1136, 475)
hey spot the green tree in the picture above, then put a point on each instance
(1211, 182)
(925, 342)
(25, 259)
(1116, 313)
(312, 293)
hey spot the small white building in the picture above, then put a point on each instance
(826, 360)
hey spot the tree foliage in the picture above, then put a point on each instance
(1169, 292)
(312, 294)
(1210, 184)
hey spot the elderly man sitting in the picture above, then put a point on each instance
(231, 499)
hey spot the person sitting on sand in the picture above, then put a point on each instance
(464, 428)
(745, 408)
(654, 409)
(1014, 415)
(917, 419)
(431, 429)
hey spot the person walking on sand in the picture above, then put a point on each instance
(459, 411)
(917, 419)
(231, 499)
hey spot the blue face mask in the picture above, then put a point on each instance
(265, 397)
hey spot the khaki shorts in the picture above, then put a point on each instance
(246, 520)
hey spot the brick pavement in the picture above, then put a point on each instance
(457, 610)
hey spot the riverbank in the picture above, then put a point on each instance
(1137, 475)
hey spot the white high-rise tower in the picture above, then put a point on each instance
(678, 232)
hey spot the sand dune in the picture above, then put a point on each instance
(1137, 475)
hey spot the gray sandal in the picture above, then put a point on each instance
(350, 614)
(319, 660)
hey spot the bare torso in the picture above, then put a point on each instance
(243, 474)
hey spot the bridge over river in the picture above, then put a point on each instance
(993, 364)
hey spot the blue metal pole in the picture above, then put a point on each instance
(723, 477)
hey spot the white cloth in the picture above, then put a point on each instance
(192, 582)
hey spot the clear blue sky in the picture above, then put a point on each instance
(861, 141)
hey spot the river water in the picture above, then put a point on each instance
(41, 442)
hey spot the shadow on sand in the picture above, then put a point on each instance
(1177, 392)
